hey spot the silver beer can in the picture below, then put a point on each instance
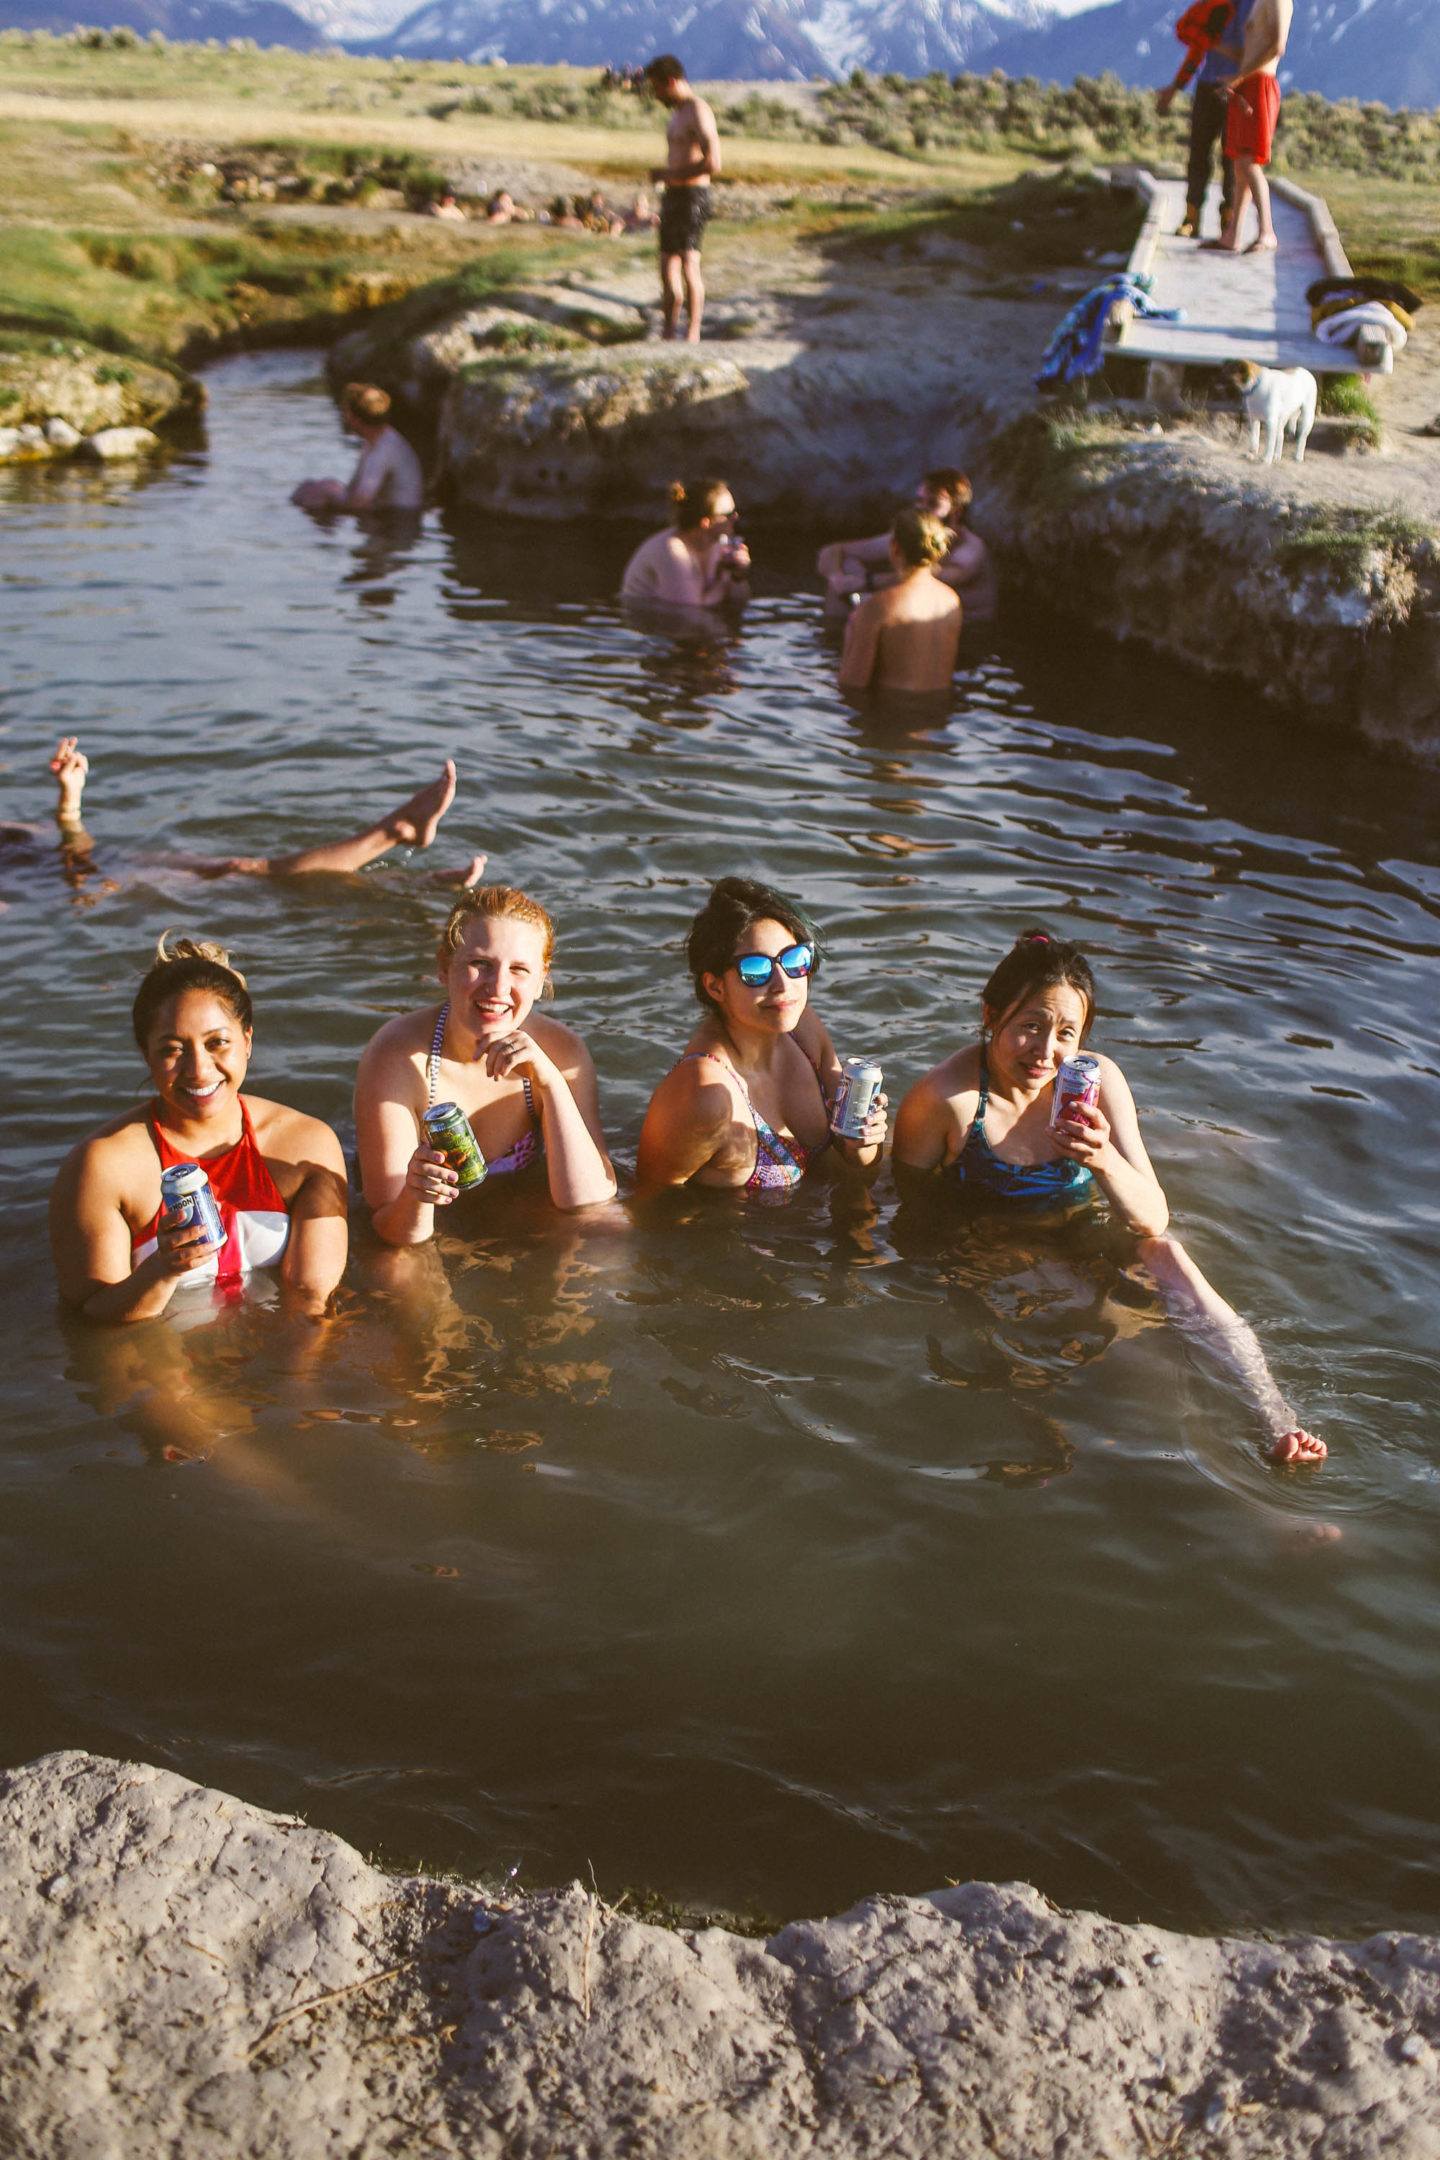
(1078, 1081)
(860, 1082)
(186, 1202)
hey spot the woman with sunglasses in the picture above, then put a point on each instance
(699, 560)
(747, 1106)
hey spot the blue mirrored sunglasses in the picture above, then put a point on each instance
(756, 968)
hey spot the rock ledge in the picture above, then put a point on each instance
(184, 1974)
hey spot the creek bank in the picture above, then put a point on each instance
(187, 1974)
(834, 377)
(70, 398)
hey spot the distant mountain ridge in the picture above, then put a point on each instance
(744, 40)
(269, 22)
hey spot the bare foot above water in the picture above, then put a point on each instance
(1299, 1448)
(414, 823)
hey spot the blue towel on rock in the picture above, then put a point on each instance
(1078, 346)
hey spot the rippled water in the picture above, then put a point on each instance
(761, 1557)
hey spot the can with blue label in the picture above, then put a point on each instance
(860, 1082)
(187, 1203)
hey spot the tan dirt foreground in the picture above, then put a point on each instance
(183, 1974)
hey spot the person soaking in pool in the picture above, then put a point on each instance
(277, 1176)
(982, 1120)
(747, 1107)
(699, 560)
(906, 636)
(526, 1083)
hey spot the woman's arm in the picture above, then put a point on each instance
(861, 647)
(90, 1239)
(813, 1038)
(1107, 1140)
(319, 1233)
(925, 1123)
(690, 1114)
(404, 1180)
(576, 1159)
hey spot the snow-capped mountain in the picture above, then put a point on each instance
(1385, 49)
(728, 39)
(269, 22)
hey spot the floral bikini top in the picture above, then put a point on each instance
(779, 1164)
(528, 1148)
(1061, 1183)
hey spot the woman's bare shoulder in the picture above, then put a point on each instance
(408, 1035)
(280, 1129)
(122, 1139)
(954, 1077)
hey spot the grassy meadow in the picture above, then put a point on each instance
(161, 200)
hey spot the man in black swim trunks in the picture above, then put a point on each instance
(693, 156)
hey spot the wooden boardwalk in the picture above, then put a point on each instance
(1237, 307)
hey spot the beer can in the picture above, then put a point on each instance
(186, 1202)
(860, 1081)
(1077, 1082)
(449, 1132)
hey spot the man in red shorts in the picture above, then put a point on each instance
(1254, 95)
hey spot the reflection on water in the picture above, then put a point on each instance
(771, 1555)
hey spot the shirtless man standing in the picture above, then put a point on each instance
(692, 158)
(1254, 95)
(906, 636)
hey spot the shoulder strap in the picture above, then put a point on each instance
(982, 1103)
(432, 1063)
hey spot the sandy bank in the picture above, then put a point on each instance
(182, 1973)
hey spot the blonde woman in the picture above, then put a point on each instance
(526, 1083)
(277, 1176)
(699, 560)
(906, 636)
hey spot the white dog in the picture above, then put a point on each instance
(1280, 400)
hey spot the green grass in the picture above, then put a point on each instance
(1356, 546)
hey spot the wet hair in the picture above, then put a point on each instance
(187, 964)
(1039, 961)
(920, 538)
(665, 68)
(735, 905)
(365, 401)
(496, 903)
(949, 480)
(695, 499)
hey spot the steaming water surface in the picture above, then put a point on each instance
(765, 1556)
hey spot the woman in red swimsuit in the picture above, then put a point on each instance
(277, 1175)
(747, 1106)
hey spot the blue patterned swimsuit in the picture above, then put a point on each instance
(1062, 1183)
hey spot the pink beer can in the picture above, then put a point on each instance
(1076, 1084)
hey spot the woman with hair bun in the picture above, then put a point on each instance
(526, 1084)
(277, 1176)
(699, 560)
(747, 1108)
(982, 1120)
(907, 635)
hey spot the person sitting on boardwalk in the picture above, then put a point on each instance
(747, 1108)
(276, 1175)
(388, 476)
(692, 158)
(700, 561)
(906, 636)
(1254, 95)
(526, 1084)
(1211, 60)
(981, 1119)
(857, 566)
(413, 824)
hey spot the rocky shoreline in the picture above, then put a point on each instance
(833, 379)
(183, 1973)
